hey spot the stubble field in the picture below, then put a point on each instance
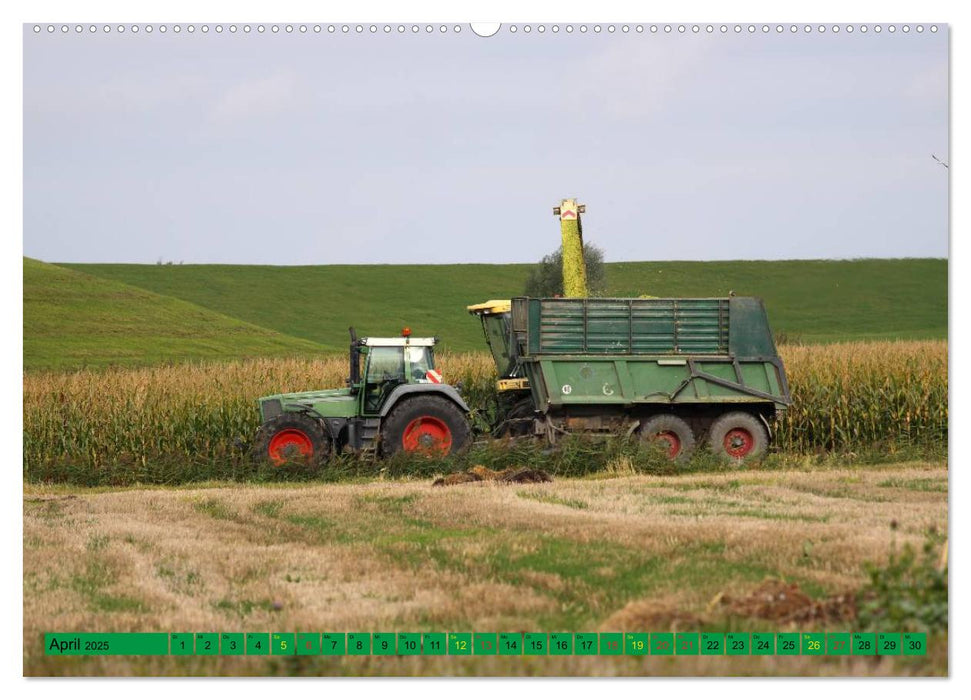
(611, 552)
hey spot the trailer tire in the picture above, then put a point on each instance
(426, 424)
(738, 437)
(289, 438)
(673, 433)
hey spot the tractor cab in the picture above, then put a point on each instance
(380, 365)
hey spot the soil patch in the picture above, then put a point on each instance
(512, 475)
(786, 603)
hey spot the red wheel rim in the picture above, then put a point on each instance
(672, 441)
(427, 434)
(289, 443)
(738, 442)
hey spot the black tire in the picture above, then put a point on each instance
(291, 438)
(428, 423)
(513, 425)
(673, 433)
(738, 437)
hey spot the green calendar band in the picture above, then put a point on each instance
(521, 644)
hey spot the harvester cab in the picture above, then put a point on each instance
(496, 314)
(395, 400)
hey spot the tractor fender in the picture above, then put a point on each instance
(446, 390)
(331, 426)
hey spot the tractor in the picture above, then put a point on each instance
(671, 371)
(394, 401)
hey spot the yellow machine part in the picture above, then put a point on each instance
(493, 306)
(512, 384)
(574, 267)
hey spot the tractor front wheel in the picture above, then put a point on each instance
(430, 425)
(739, 437)
(291, 437)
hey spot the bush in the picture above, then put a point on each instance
(909, 594)
(546, 279)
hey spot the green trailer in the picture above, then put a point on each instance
(677, 371)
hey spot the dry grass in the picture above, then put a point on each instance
(402, 556)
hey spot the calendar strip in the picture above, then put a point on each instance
(486, 644)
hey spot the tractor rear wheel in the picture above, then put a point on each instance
(672, 434)
(738, 436)
(430, 425)
(291, 437)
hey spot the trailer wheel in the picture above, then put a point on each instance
(430, 425)
(739, 437)
(291, 437)
(671, 433)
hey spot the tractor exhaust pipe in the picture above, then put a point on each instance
(355, 355)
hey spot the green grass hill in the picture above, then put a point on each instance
(807, 300)
(100, 314)
(320, 303)
(813, 301)
(73, 319)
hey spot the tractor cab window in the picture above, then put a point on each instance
(385, 370)
(386, 364)
(420, 360)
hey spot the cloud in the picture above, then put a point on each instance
(930, 84)
(257, 98)
(126, 93)
(633, 79)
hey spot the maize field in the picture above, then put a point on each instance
(110, 426)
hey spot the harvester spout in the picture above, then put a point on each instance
(574, 266)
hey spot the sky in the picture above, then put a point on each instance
(319, 148)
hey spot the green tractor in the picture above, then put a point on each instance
(394, 401)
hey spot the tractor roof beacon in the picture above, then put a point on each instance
(395, 400)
